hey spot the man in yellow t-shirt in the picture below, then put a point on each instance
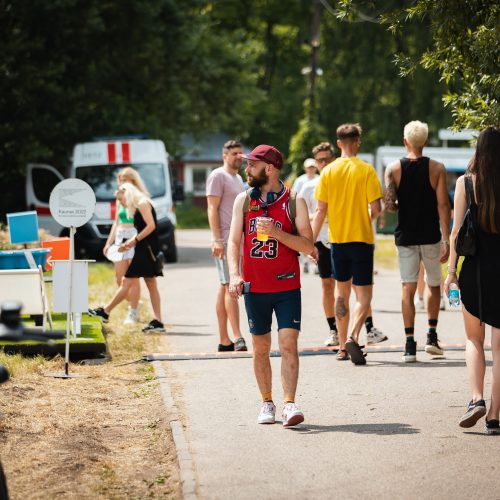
(346, 188)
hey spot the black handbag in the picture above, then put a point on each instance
(158, 260)
(465, 243)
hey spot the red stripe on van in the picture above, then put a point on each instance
(111, 153)
(43, 210)
(112, 210)
(125, 152)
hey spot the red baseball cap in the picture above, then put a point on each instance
(266, 153)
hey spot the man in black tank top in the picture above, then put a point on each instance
(416, 189)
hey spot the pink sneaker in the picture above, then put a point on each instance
(292, 415)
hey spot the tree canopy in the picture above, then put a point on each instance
(74, 69)
(463, 49)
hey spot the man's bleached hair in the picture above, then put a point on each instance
(416, 133)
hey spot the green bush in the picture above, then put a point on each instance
(190, 216)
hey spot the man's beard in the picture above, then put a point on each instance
(259, 181)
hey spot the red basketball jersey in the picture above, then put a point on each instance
(269, 265)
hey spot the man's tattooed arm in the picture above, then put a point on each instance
(390, 196)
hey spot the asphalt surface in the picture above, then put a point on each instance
(384, 430)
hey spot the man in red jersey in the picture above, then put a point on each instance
(271, 268)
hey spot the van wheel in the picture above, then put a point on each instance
(171, 251)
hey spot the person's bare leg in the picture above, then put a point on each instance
(154, 296)
(493, 413)
(262, 362)
(421, 282)
(433, 301)
(135, 287)
(120, 270)
(342, 310)
(361, 308)
(232, 313)
(220, 309)
(408, 306)
(120, 294)
(289, 362)
(328, 293)
(474, 354)
(134, 294)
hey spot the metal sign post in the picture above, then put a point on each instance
(72, 204)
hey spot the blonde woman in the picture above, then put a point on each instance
(122, 230)
(146, 245)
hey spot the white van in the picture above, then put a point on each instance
(98, 163)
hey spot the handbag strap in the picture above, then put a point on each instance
(469, 187)
(151, 253)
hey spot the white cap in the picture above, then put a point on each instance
(310, 162)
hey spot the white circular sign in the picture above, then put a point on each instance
(72, 203)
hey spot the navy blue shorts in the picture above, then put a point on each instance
(324, 260)
(260, 306)
(353, 260)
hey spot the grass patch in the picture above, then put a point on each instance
(125, 343)
(385, 253)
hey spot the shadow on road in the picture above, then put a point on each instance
(182, 325)
(188, 334)
(438, 363)
(379, 429)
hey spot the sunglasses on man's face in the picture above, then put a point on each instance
(324, 160)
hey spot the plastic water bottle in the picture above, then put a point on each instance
(454, 296)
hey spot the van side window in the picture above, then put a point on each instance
(44, 182)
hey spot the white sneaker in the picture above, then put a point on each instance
(375, 336)
(131, 317)
(419, 304)
(267, 413)
(292, 415)
(333, 339)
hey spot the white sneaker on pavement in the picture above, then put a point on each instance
(267, 413)
(375, 336)
(333, 339)
(131, 317)
(292, 415)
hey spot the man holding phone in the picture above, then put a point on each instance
(271, 267)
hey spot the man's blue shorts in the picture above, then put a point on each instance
(353, 260)
(260, 306)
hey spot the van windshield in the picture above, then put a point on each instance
(102, 178)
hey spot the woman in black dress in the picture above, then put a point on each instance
(479, 280)
(146, 246)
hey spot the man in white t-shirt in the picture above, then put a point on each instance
(323, 155)
(223, 185)
(310, 174)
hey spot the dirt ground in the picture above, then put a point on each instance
(103, 436)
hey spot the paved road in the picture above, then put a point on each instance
(384, 430)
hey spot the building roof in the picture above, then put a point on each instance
(208, 149)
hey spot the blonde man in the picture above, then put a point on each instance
(416, 189)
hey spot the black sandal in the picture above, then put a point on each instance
(355, 352)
